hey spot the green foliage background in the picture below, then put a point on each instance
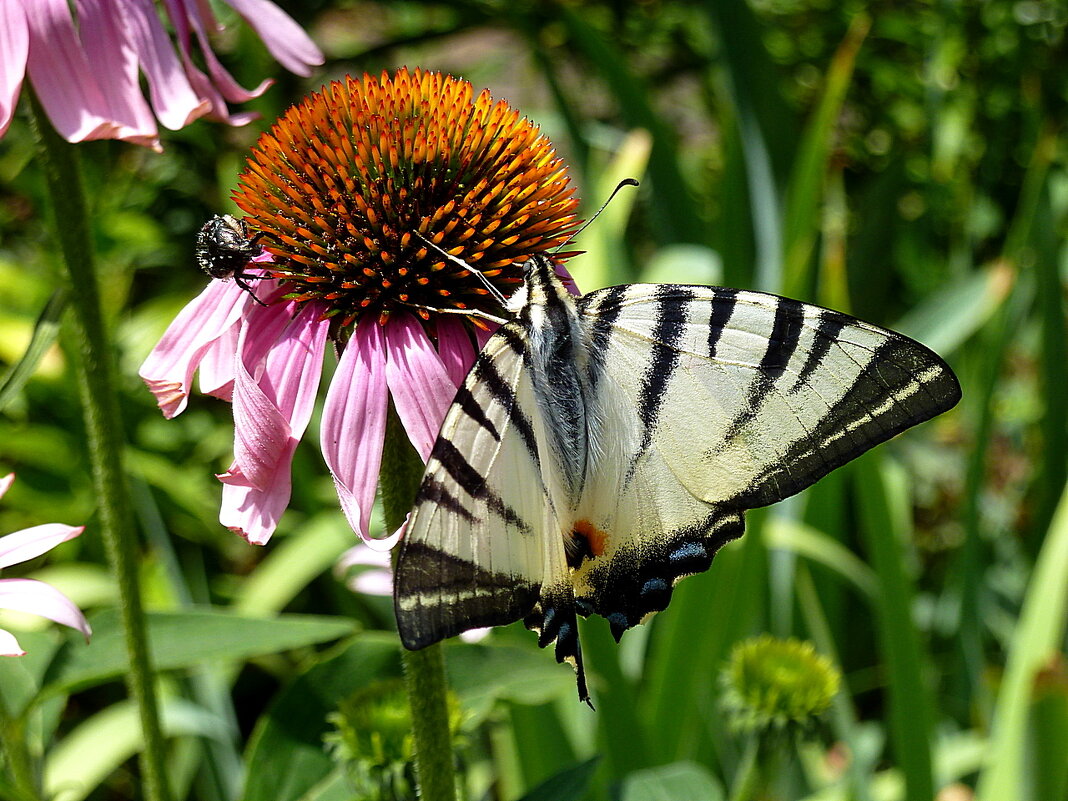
(900, 161)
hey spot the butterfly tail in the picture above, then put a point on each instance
(556, 621)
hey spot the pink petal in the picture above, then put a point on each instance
(217, 365)
(274, 395)
(61, 74)
(6, 482)
(354, 423)
(173, 98)
(108, 49)
(421, 388)
(284, 38)
(9, 646)
(168, 370)
(482, 336)
(199, 17)
(14, 45)
(361, 555)
(38, 598)
(454, 348)
(254, 513)
(31, 542)
(372, 582)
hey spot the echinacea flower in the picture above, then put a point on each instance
(774, 685)
(346, 193)
(86, 66)
(28, 595)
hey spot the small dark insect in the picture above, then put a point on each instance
(224, 248)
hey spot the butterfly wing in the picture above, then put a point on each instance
(721, 400)
(475, 551)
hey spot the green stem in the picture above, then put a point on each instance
(25, 779)
(424, 671)
(747, 779)
(104, 431)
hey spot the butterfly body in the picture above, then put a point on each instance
(604, 447)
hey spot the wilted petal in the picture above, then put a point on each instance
(38, 598)
(31, 542)
(168, 370)
(6, 482)
(9, 646)
(172, 96)
(354, 423)
(273, 400)
(14, 45)
(284, 38)
(421, 388)
(454, 348)
(254, 513)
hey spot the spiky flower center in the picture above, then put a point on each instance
(350, 185)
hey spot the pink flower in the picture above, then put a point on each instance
(86, 67)
(27, 595)
(342, 264)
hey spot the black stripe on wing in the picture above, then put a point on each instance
(902, 385)
(488, 376)
(439, 595)
(672, 304)
(782, 343)
(473, 483)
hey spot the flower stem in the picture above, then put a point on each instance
(104, 430)
(25, 778)
(424, 670)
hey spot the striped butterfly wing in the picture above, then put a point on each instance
(474, 552)
(721, 400)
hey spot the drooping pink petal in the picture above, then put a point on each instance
(172, 96)
(454, 348)
(32, 542)
(354, 423)
(284, 38)
(372, 582)
(200, 18)
(14, 45)
(61, 74)
(274, 395)
(418, 381)
(9, 646)
(6, 482)
(108, 49)
(38, 598)
(168, 370)
(216, 372)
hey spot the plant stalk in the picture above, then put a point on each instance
(424, 670)
(104, 431)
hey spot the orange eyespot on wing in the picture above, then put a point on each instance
(584, 541)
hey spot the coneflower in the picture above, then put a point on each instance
(356, 194)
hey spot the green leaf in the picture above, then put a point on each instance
(793, 535)
(568, 785)
(45, 331)
(99, 745)
(1038, 636)
(885, 523)
(482, 674)
(679, 780)
(184, 639)
(286, 757)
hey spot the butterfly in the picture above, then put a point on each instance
(604, 447)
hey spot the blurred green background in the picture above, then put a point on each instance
(903, 162)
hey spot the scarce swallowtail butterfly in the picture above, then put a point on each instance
(603, 447)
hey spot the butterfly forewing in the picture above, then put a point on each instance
(474, 552)
(696, 402)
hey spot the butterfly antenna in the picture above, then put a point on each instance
(496, 293)
(585, 225)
